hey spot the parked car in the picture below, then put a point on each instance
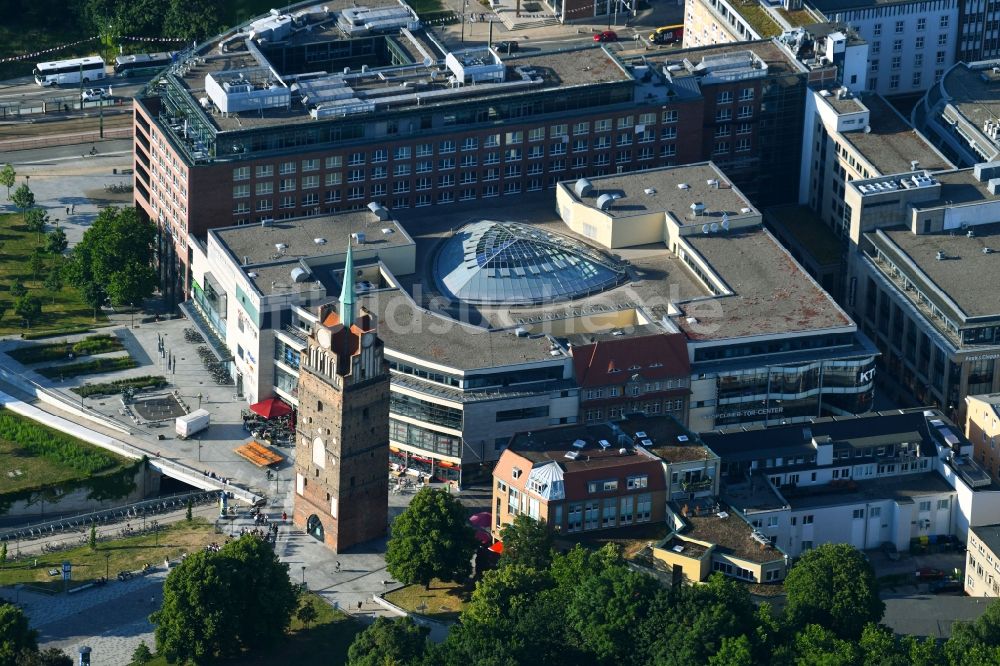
(929, 573)
(889, 548)
(507, 47)
(949, 585)
(94, 94)
(606, 36)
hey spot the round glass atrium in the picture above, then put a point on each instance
(490, 262)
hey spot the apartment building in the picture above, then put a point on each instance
(600, 476)
(981, 428)
(982, 562)
(862, 480)
(396, 119)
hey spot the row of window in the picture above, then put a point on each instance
(900, 26)
(635, 389)
(619, 411)
(604, 514)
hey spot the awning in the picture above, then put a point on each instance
(497, 547)
(270, 408)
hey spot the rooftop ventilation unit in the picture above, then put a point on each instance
(683, 186)
(379, 211)
(605, 201)
(939, 256)
(319, 241)
(280, 247)
(914, 165)
(605, 444)
(641, 434)
(386, 231)
(697, 209)
(746, 211)
(970, 234)
(712, 182)
(647, 442)
(579, 444)
(521, 332)
(682, 438)
(650, 191)
(623, 451)
(572, 455)
(987, 250)
(358, 238)
(299, 274)
(583, 188)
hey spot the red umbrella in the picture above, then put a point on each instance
(497, 547)
(481, 519)
(270, 408)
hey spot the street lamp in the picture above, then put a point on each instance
(107, 565)
(303, 575)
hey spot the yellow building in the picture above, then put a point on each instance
(982, 563)
(982, 428)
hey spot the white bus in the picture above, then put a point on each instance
(91, 68)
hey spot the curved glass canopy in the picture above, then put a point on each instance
(490, 262)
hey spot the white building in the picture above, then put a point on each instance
(865, 481)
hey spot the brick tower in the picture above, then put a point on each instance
(341, 463)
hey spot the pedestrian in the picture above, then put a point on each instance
(338, 567)
(284, 516)
(67, 210)
(359, 606)
(72, 209)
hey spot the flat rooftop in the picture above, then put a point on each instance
(778, 62)
(967, 276)
(893, 144)
(752, 495)
(582, 443)
(653, 190)
(253, 244)
(772, 293)
(902, 489)
(671, 441)
(975, 98)
(959, 187)
(731, 535)
(409, 329)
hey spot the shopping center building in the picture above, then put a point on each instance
(658, 292)
(336, 106)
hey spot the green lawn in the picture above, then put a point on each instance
(758, 18)
(61, 309)
(88, 367)
(59, 351)
(443, 601)
(325, 641)
(24, 466)
(111, 556)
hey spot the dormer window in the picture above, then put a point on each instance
(516, 473)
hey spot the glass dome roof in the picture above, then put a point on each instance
(490, 262)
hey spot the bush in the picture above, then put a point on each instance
(115, 387)
(88, 367)
(41, 335)
(58, 351)
(53, 445)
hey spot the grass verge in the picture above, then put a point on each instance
(41, 335)
(34, 456)
(112, 388)
(324, 641)
(58, 351)
(111, 557)
(88, 367)
(443, 601)
(61, 309)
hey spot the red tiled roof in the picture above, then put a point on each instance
(607, 362)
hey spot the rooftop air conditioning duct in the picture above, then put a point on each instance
(583, 188)
(379, 211)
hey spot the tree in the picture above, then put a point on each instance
(431, 539)
(976, 643)
(7, 177)
(4, 306)
(36, 264)
(526, 541)
(17, 289)
(386, 641)
(57, 242)
(833, 586)
(92, 539)
(189, 514)
(131, 284)
(46, 657)
(819, 646)
(192, 19)
(733, 652)
(15, 635)
(216, 605)
(3, 554)
(142, 654)
(28, 308)
(23, 198)
(115, 254)
(54, 281)
(307, 613)
(35, 220)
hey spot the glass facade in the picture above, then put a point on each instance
(797, 391)
(423, 438)
(286, 354)
(442, 415)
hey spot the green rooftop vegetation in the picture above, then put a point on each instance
(798, 17)
(758, 18)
